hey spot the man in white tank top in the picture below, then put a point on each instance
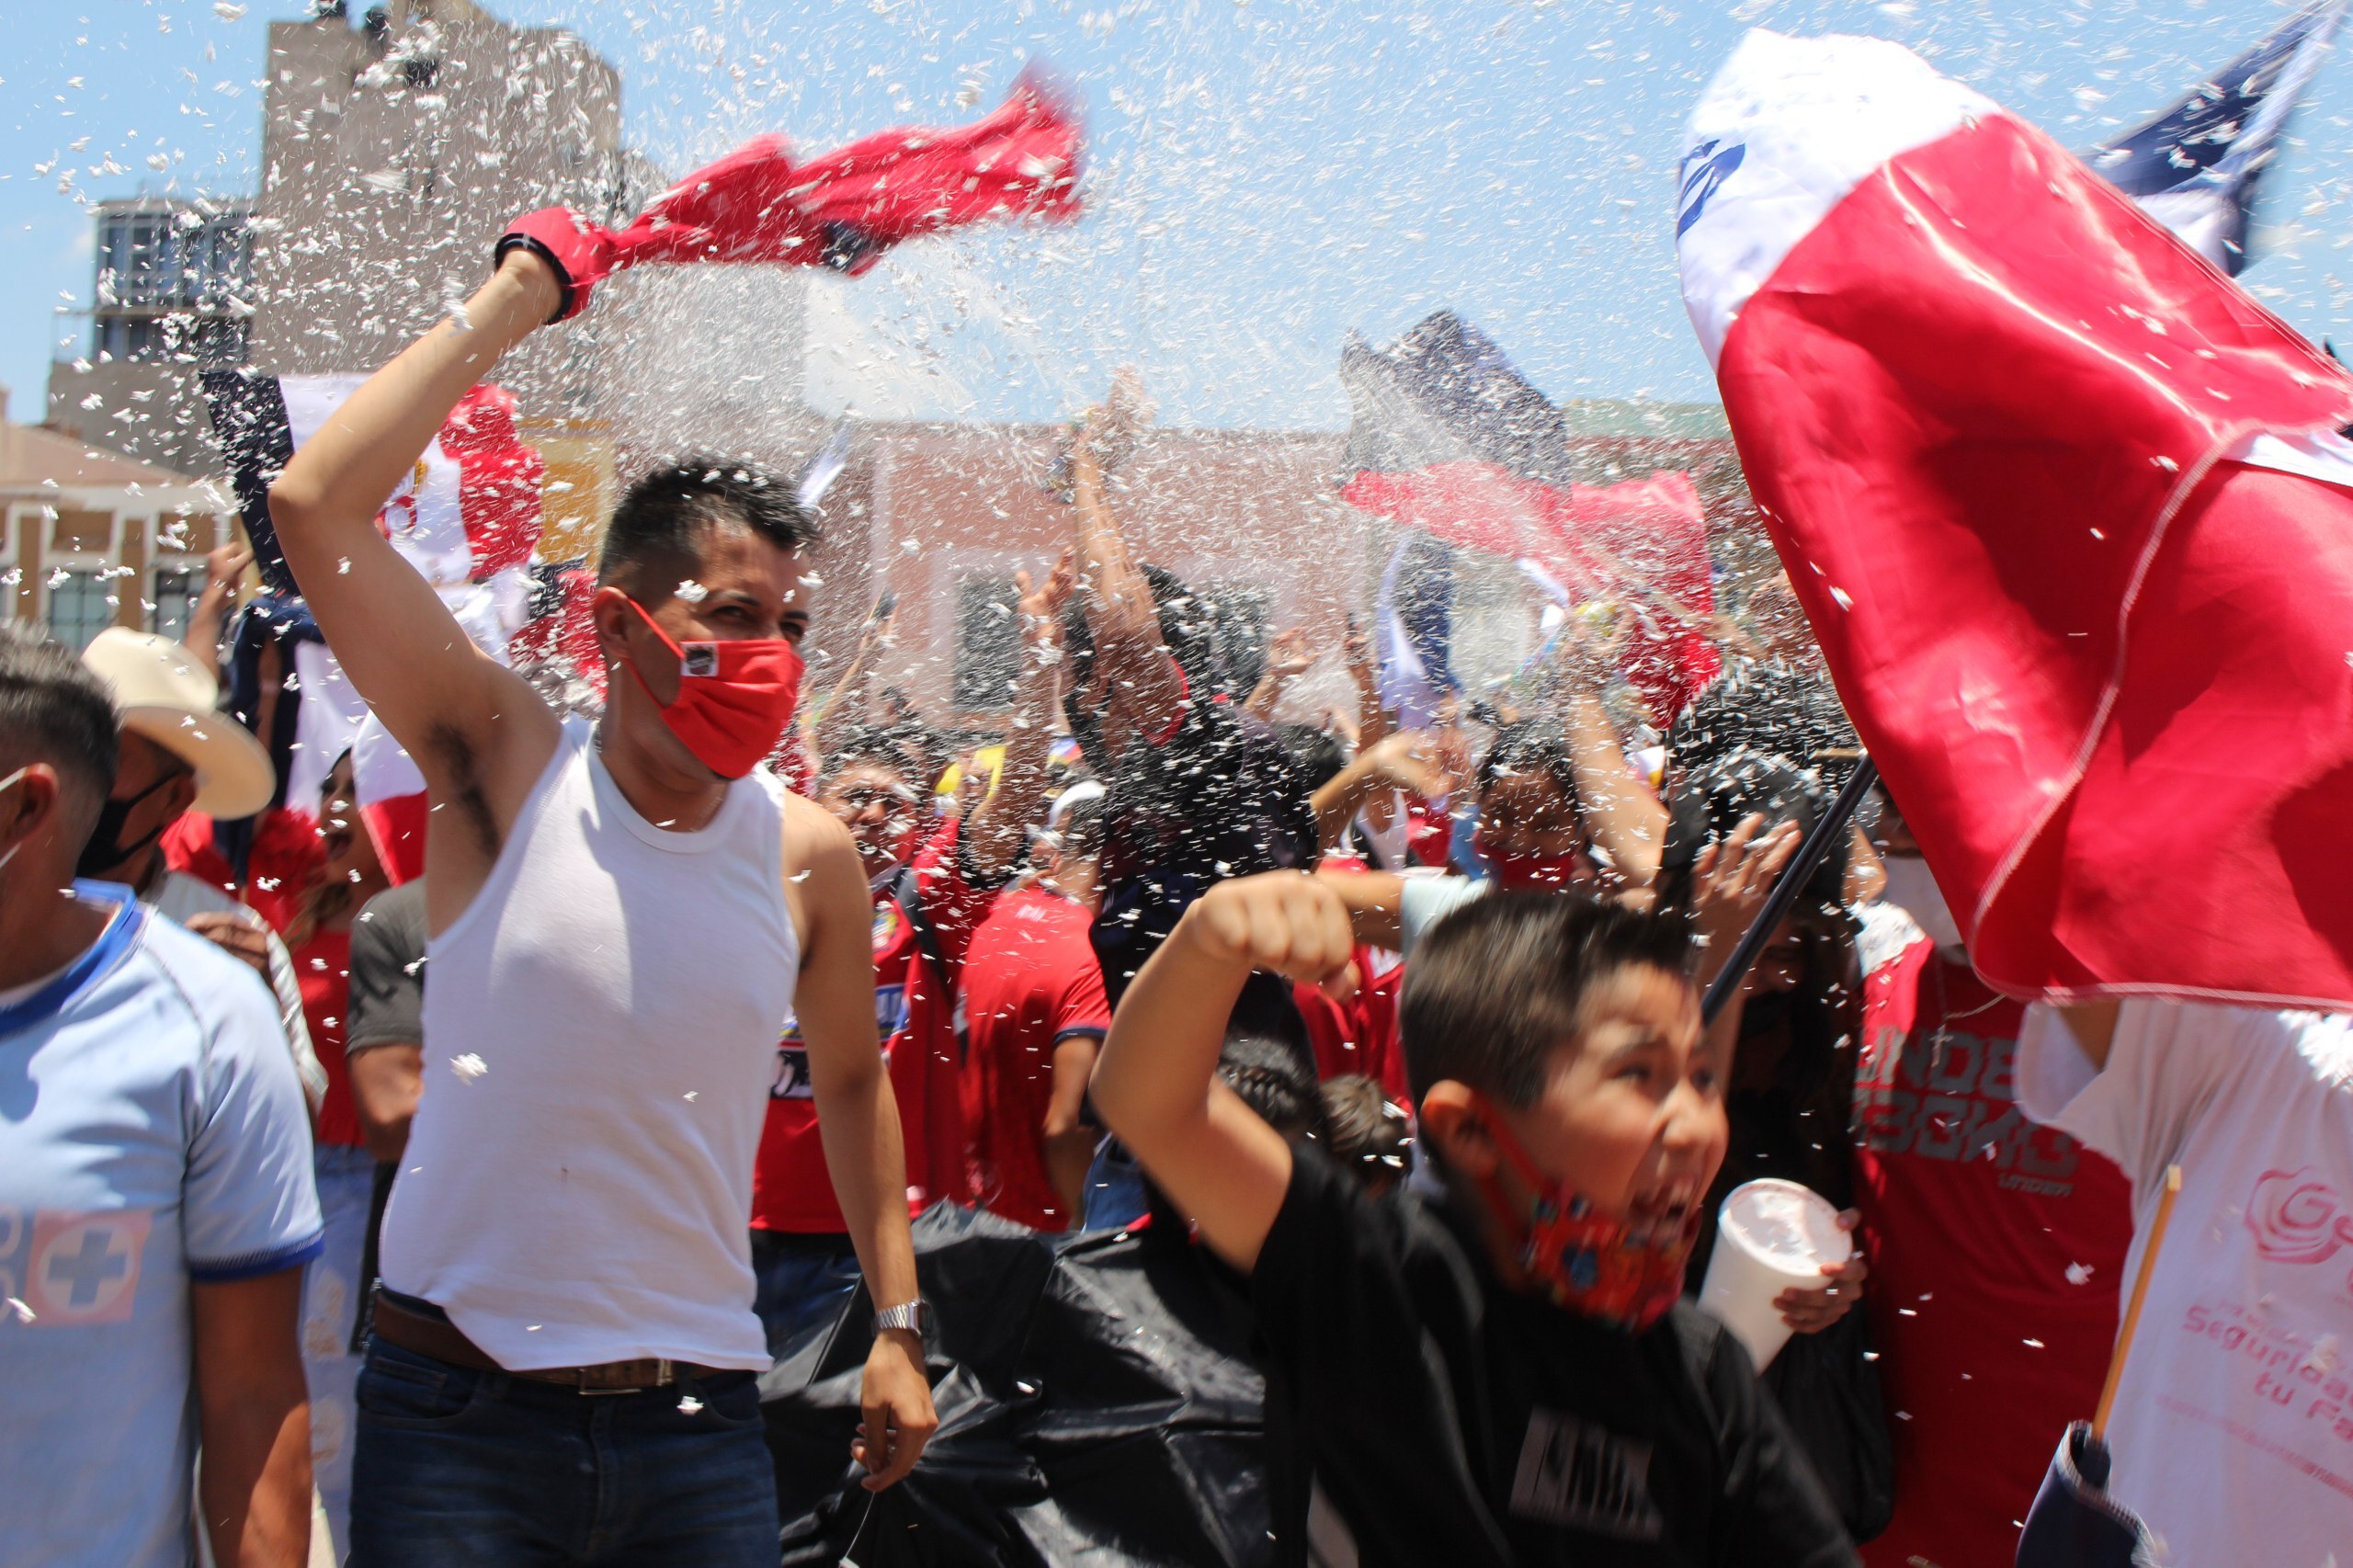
(621, 920)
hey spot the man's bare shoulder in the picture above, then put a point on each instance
(815, 841)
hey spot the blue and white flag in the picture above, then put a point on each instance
(1413, 631)
(2195, 167)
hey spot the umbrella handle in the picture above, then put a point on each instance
(2133, 1307)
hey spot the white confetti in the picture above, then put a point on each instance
(694, 592)
(24, 1313)
(691, 1405)
(2079, 1273)
(228, 12)
(468, 1067)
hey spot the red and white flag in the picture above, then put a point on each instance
(2069, 515)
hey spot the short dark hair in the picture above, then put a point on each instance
(1362, 1131)
(1315, 750)
(902, 748)
(1711, 801)
(1497, 983)
(1272, 1080)
(1531, 746)
(54, 710)
(661, 520)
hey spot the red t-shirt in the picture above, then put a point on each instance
(1030, 982)
(285, 859)
(914, 1013)
(1996, 1247)
(323, 967)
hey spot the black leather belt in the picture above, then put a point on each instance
(442, 1340)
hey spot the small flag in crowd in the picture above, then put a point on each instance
(1446, 435)
(2195, 168)
(2067, 511)
(840, 210)
(468, 517)
(1413, 631)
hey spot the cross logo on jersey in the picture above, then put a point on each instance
(84, 1268)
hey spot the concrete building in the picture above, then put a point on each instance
(941, 515)
(90, 539)
(393, 152)
(171, 295)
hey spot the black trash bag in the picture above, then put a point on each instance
(1828, 1390)
(1096, 1398)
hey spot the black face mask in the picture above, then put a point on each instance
(103, 853)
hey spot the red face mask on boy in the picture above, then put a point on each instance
(1621, 1274)
(1515, 872)
(734, 699)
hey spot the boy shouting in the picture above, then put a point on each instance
(1505, 1374)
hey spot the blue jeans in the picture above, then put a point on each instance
(801, 1283)
(332, 1287)
(462, 1468)
(1115, 1193)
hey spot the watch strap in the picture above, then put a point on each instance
(913, 1316)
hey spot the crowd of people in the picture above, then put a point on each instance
(476, 1214)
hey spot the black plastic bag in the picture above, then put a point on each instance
(1096, 1398)
(1829, 1393)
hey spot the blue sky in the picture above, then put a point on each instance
(1266, 176)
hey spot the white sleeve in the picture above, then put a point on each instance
(248, 1205)
(1425, 899)
(2165, 1066)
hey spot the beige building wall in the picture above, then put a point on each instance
(391, 162)
(392, 159)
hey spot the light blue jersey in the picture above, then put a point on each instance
(152, 1135)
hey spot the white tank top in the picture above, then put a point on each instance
(600, 1032)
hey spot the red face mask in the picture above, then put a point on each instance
(1515, 872)
(734, 699)
(1619, 1273)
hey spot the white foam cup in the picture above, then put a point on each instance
(1770, 1235)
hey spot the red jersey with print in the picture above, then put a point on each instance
(1030, 982)
(915, 1014)
(284, 858)
(323, 967)
(1996, 1247)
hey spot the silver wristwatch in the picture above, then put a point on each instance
(913, 1316)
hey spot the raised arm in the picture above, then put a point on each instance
(1622, 816)
(455, 710)
(1287, 658)
(1406, 760)
(1156, 1082)
(858, 1121)
(207, 620)
(996, 836)
(1121, 615)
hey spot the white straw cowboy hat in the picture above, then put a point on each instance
(165, 698)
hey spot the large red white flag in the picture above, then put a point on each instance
(2067, 511)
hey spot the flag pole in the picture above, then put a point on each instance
(1802, 866)
(2133, 1308)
